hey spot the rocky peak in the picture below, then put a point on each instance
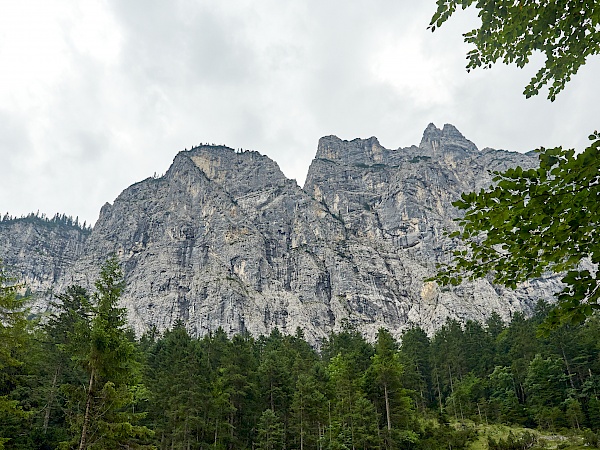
(358, 151)
(431, 138)
(450, 131)
(236, 172)
(438, 142)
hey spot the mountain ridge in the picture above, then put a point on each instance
(225, 239)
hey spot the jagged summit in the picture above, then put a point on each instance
(446, 140)
(356, 151)
(450, 131)
(224, 239)
(435, 142)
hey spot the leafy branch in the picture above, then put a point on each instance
(534, 221)
(511, 31)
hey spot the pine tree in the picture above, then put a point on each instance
(216, 349)
(178, 379)
(494, 325)
(384, 378)
(465, 400)
(270, 431)
(546, 390)
(448, 359)
(275, 374)
(351, 343)
(108, 357)
(354, 421)
(240, 374)
(504, 405)
(517, 346)
(13, 342)
(308, 413)
(479, 349)
(415, 357)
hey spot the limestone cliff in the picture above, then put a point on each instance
(39, 251)
(225, 239)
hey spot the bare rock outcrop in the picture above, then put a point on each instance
(225, 239)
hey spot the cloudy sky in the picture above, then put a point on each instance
(96, 95)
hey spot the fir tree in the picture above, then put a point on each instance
(107, 355)
(13, 343)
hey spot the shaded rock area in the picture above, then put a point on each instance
(38, 251)
(224, 239)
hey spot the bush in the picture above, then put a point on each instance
(513, 442)
(591, 439)
(445, 436)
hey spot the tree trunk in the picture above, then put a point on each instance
(329, 406)
(216, 431)
(51, 399)
(437, 377)
(232, 427)
(301, 424)
(452, 392)
(562, 347)
(88, 407)
(387, 408)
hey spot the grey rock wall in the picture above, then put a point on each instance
(38, 252)
(225, 239)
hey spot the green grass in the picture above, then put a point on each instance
(546, 440)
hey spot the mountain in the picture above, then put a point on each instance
(40, 250)
(225, 239)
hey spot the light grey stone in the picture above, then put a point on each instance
(224, 239)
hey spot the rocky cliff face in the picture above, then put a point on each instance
(38, 251)
(225, 239)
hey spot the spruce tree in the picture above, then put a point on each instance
(13, 343)
(107, 355)
(270, 431)
(57, 372)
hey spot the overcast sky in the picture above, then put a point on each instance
(97, 95)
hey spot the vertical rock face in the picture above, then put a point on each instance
(225, 239)
(395, 206)
(39, 252)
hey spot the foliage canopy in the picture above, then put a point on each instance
(538, 220)
(534, 221)
(566, 32)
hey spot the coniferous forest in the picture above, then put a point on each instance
(79, 379)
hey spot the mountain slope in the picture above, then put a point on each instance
(225, 239)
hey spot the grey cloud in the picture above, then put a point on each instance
(183, 42)
(15, 143)
(270, 76)
(16, 154)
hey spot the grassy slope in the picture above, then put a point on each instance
(546, 440)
